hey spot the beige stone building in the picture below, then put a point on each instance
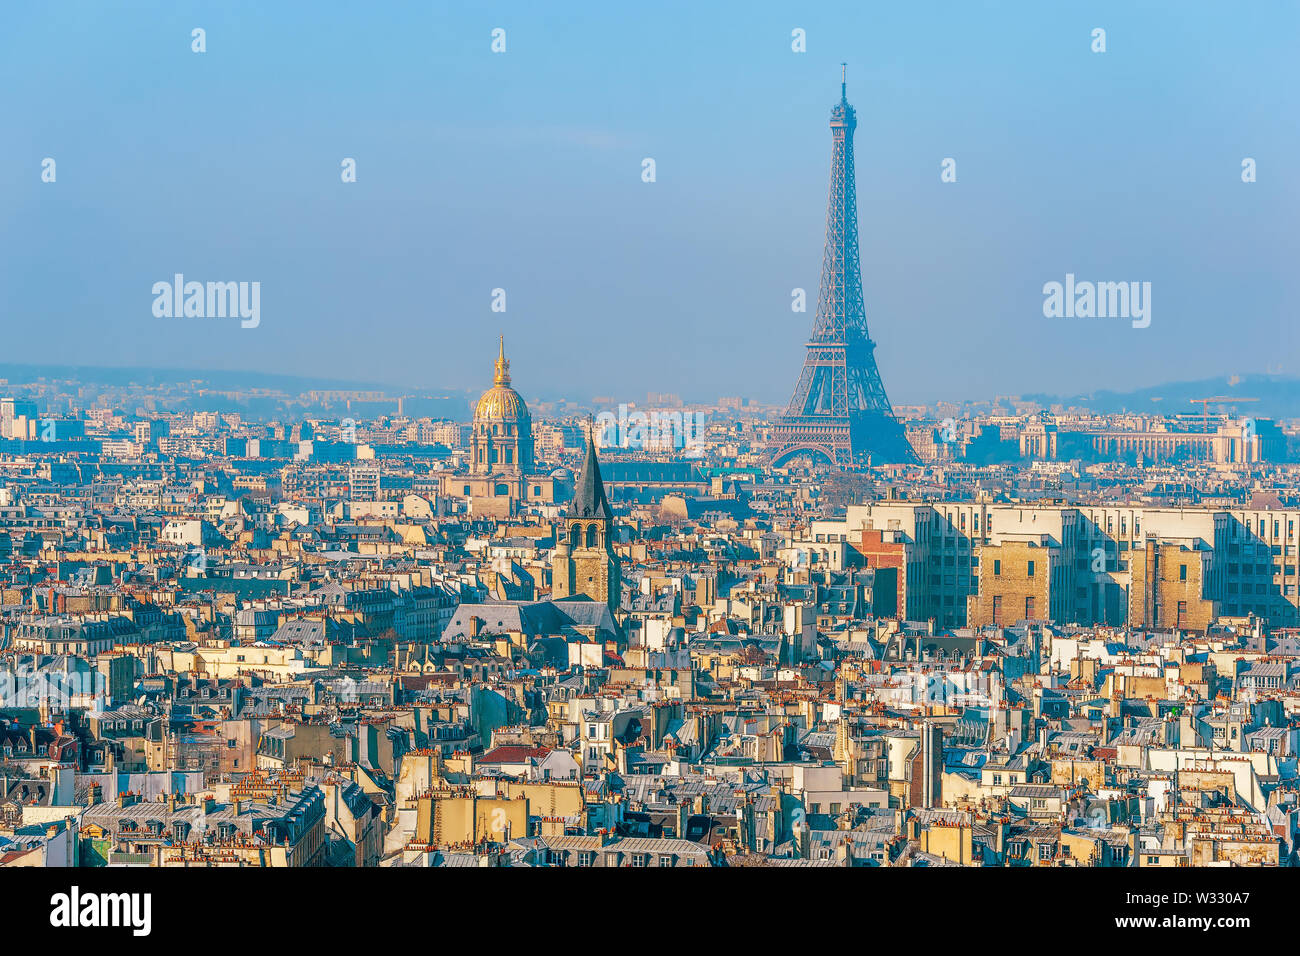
(1017, 581)
(502, 463)
(1254, 554)
(1169, 582)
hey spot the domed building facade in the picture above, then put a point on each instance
(501, 437)
(498, 476)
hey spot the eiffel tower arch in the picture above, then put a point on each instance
(839, 411)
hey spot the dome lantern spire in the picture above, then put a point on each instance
(502, 376)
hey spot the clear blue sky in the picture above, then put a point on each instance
(522, 170)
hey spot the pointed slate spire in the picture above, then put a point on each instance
(589, 499)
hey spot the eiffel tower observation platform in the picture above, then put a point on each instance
(840, 414)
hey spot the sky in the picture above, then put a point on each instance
(522, 170)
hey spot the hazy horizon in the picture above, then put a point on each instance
(522, 170)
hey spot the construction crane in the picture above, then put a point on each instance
(1226, 399)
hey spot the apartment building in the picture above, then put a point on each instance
(1249, 565)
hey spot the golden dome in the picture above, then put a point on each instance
(501, 403)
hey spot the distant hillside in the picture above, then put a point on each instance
(180, 392)
(150, 377)
(1278, 397)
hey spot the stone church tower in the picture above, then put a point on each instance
(585, 563)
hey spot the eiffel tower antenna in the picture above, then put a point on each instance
(839, 412)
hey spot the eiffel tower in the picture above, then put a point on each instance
(839, 411)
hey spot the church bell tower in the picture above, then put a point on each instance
(585, 562)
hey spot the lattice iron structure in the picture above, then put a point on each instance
(839, 410)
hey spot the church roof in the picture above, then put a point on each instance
(531, 618)
(589, 499)
(649, 472)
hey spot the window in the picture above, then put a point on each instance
(997, 567)
(1031, 569)
(1182, 572)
